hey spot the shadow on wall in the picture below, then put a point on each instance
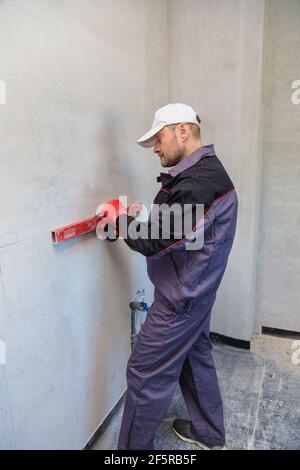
(113, 335)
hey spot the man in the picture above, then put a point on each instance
(174, 343)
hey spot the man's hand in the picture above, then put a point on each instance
(111, 211)
(135, 209)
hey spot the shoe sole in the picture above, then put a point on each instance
(192, 441)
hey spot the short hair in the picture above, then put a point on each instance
(195, 129)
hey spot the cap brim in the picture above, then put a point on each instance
(147, 140)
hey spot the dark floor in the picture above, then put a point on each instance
(261, 393)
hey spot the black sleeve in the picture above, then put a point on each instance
(187, 204)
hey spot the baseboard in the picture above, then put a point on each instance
(266, 330)
(104, 425)
(237, 343)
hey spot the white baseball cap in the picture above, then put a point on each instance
(172, 113)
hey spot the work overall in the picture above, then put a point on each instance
(174, 344)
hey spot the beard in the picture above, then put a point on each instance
(168, 164)
(175, 158)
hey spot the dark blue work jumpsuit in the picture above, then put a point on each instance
(174, 344)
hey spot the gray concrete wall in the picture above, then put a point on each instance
(278, 294)
(216, 50)
(82, 81)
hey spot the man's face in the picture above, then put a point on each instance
(167, 146)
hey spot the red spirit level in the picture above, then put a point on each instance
(76, 229)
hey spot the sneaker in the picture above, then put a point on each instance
(182, 429)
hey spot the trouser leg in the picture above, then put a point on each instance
(153, 371)
(200, 389)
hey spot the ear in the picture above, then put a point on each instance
(184, 131)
